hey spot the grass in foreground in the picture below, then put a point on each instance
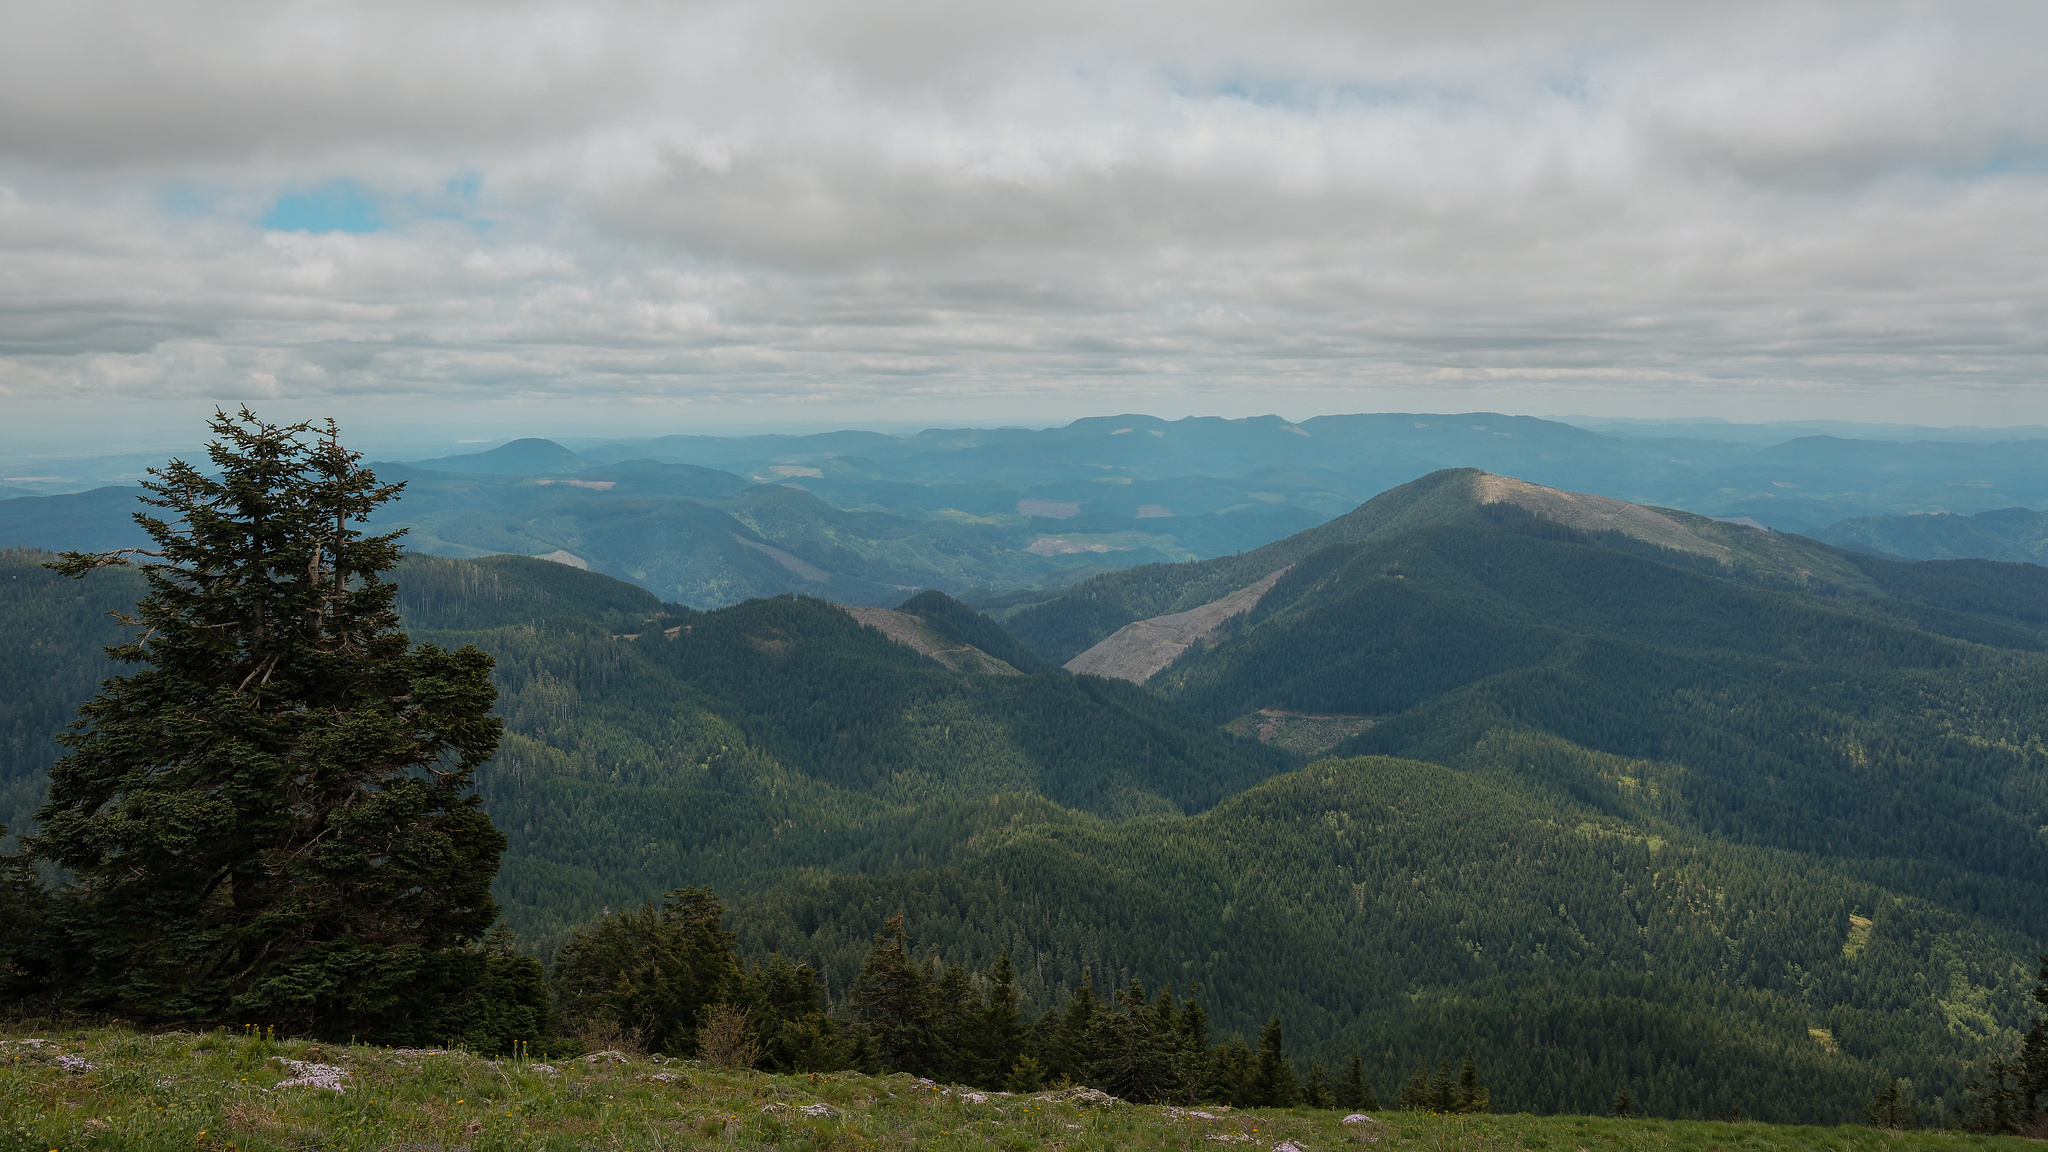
(113, 1089)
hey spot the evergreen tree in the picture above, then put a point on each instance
(1133, 1058)
(1472, 1096)
(503, 998)
(1415, 1094)
(1040, 1036)
(955, 1025)
(1165, 1019)
(893, 998)
(1317, 1093)
(1233, 1075)
(1624, 1107)
(779, 990)
(1191, 1060)
(2000, 1105)
(272, 818)
(1194, 1025)
(1352, 1091)
(652, 972)
(1026, 1075)
(1890, 1108)
(999, 1036)
(790, 1024)
(1071, 1049)
(862, 1054)
(1443, 1091)
(1273, 1083)
(24, 909)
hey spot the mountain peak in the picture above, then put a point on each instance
(532, 456)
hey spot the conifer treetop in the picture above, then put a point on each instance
(265, 561)
(272, 815)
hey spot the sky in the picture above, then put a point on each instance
(604, 218)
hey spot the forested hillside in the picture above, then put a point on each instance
(1407, 911)
(1061, 623)
(1819, 724)
(51, 630)
(1701, 683)
(649, 746)
(2012, 534)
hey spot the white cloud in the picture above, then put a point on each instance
(1030, 210)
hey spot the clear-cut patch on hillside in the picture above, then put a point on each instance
(1589, 513)
(1137, 651)
(911, 632)
(1054, 546)
(1298, 732)
(808, 571)
(1048, 509)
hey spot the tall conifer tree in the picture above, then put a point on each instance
(1274, 1085)
(1233, 1075)
(1072, 1050)
(1191, 1061)
(1318, 1093)
(1472, 1096)
(893, 998)
(271, 819)
(1352, 1090)
(1415, 1093)
(999, 1039)
(1133, 1057)
(1443, 1091)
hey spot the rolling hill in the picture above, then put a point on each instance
(2015, 535)
(648, 742)
(1062, 623)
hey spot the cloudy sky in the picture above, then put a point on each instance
(595, 216)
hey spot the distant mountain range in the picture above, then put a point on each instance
(866, 518)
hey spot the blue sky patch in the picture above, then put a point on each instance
(338, 207)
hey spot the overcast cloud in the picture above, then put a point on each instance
(646, 214)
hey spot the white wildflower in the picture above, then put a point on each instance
(1359, 1118)
(75, 1064)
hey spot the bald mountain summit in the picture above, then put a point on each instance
(1618, 798)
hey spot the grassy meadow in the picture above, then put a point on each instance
(218, 1092)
